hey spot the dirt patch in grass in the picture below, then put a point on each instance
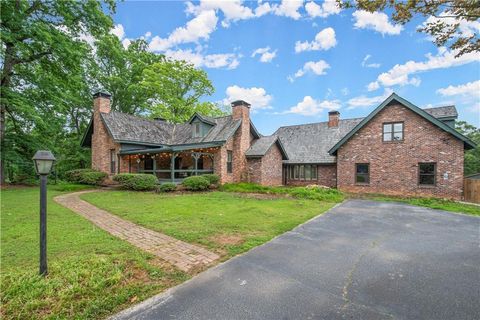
(227, 239)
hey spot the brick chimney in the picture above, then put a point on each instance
(333, 118)
(241, 139)
(101, 102)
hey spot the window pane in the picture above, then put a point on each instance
(308, 175)
(295, 171)
(398, 127)
(428, 168)
(302, 172)
(362, 178)
(387, 137)
(427, 179)
(314, 172)
(362, 168)
(387, 128)
(397, 136)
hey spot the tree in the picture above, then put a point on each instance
(177, 87)
(472, 157)
(119, 71)
(449, 22)
(43, 56)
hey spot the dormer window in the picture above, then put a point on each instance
(197, 130)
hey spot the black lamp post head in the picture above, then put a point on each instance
(43, 160)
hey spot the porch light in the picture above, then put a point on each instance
(43, 160)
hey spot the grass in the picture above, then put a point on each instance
(440, 204)
(312, 193)
(91, 273)
(224, 222)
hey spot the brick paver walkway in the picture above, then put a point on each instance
(181, 254)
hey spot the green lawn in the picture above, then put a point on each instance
(91, 274)
(224, 222)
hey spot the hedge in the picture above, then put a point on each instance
(167, 187)
(138, 182)
(212, 178)
(196, 183)
(85, 176)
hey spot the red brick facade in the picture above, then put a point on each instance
(102, 142)
(326, 176)
(394, 165)
(268, 169)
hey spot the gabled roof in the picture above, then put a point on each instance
(309, 143)
(468, 144)
(126, 128)
(261, 146)
(204, 119)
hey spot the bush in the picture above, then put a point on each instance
(196, 183)
(138, 182)
(212, 178)
(85, 176)
(167, 187)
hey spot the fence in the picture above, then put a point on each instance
(472, 190)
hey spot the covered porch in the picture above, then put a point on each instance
(170, 165)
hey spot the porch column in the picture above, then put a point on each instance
(172, 166)
(154, 166)
(196, 156)
(212, 157)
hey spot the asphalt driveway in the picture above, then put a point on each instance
(360, 260)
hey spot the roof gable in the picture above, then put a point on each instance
(468, 144)
(261, 146)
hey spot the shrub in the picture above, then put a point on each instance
(196, 183)
(85, 176)
(212, 178)
(138, 182)
(167, 187)
(75, 175)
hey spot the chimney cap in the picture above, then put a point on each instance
(334, 112)
(102, 94)
(240, 103)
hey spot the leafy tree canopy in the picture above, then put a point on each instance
(445, 19)
(472, 157)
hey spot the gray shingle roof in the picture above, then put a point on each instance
(261, 146)
(309, 143)
(127, 128)
(442, 112)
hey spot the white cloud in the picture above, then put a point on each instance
(233, 10)
(196, 29)
(364, 101)
(470, 89)
(324, 40)
(265, 54)
(369, 65)
(257, 97)
(289, 8)
(118, 31)
(310, 106)
(345, 91)
(475, 108)
(377, 21)
(214, 61)
(328, 7)
(317, 68)
(263, 9)
(400, 73)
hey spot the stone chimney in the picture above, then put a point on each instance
(101, 102)
(241, 110)
(333, 118)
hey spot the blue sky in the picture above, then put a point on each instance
(296, 60)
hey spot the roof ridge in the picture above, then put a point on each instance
(447, 106)
(310, 123)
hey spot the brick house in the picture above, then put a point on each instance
(397, 149)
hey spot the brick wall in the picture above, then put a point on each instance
(102, 143)
(394, 165)
(326, 176)
(268, 169)
(241, 142)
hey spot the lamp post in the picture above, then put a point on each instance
(43, 161)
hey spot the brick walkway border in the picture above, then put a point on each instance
(183, 255)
